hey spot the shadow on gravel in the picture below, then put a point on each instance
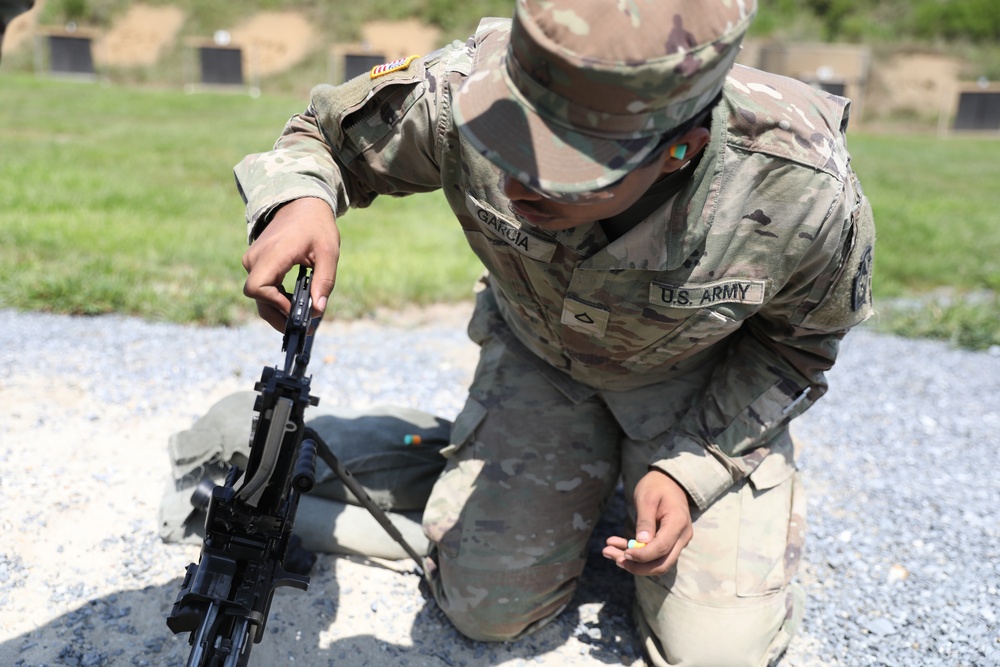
(125, 628)
(129, 628)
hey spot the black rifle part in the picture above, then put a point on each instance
(249, 550)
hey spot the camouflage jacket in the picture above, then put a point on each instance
(758, 265)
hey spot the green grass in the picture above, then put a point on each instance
(115, 199)
(937, 210)
(123, 200)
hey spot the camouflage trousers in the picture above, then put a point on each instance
(529, 472)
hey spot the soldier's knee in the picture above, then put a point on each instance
(488, 622)
(498, 619)
(750, 632)
(501, 605)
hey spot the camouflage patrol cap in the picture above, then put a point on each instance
(586, 89)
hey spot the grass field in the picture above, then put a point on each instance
(937, 210)
(122, 200)
(119, 200)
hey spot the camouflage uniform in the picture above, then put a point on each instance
(686, 344)
(9, 9)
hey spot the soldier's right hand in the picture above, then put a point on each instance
(301, 232)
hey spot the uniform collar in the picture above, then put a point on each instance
(682, 222)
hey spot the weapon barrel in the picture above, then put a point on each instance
(242, 638)
(200, 642)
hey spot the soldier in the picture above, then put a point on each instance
(9, 9)
(674, 248)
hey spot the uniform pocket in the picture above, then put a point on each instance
(465, 426)
(442, 519)
(703, 328)
(765, 519)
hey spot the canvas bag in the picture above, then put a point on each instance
(371, 444)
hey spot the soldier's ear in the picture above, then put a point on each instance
(685, 148)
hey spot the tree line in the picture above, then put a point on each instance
(975, 21)
(883, 21)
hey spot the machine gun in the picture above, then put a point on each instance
(225, 598)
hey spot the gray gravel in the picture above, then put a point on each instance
(902, 464)
(900, 460)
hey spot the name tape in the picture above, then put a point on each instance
(749, 292)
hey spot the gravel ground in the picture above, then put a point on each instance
(900, 460)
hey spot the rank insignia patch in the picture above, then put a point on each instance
(394, 66)
(585, 317)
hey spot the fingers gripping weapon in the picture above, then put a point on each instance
(225, 598)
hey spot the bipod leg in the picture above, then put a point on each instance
(325, 453)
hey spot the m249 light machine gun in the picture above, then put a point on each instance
(225, 598)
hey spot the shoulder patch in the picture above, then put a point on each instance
(861, 290)
(849, 300)
(389, 68)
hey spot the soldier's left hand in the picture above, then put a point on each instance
(663, 522)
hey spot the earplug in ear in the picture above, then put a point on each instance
(678, 151)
